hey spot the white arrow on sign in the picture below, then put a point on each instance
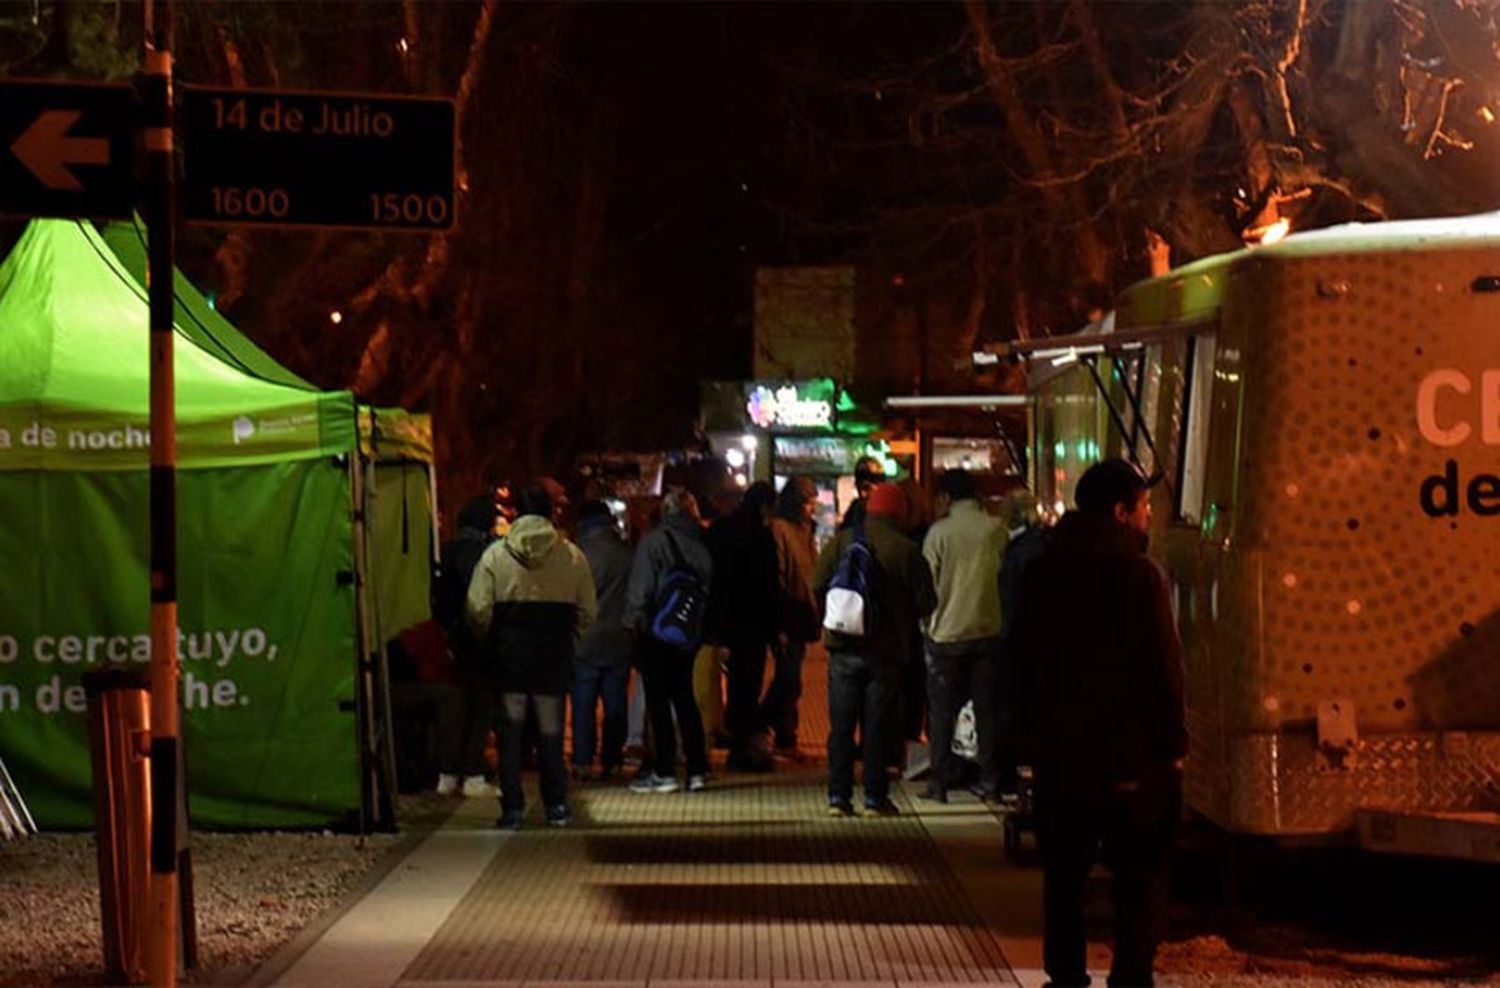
(47, 150)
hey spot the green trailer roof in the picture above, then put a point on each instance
(1192, 293)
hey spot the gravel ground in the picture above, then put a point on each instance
(253, 892)
(1316, 923)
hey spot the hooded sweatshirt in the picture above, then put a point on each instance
(1099, 661)
(532, 596)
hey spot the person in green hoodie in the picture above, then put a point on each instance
(964, 549)
(531, 598)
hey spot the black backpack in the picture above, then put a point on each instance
(681, 599)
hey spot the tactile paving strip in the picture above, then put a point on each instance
(748, 881)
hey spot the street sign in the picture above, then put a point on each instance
(278, 158)
(65, 149)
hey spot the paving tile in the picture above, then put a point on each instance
(746, 884)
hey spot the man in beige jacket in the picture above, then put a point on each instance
(964, 550)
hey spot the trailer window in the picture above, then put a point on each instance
(1193, 440)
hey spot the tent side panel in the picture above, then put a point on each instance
(401, 534)
(266, 642)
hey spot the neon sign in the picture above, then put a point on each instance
(785, 408)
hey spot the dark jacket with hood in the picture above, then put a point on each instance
(532, 596)
(1100, 664)
(459, 559)
(745, 604)
(655, 557)
(901, 596)
(606, 643)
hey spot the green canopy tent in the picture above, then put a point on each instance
(265, 546)
(396, 484)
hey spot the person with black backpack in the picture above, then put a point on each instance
(876, 588)
(664, 607)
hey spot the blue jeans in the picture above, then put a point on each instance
(591, 683)
(860, 692)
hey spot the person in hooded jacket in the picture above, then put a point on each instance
(1100, 663)
(531, 598)
(668, 671)
(476, 713)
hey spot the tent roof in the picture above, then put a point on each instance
(195, 317)
(386, 434)
(74, 373)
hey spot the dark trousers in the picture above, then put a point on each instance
(428, 719)
(669, 688)
(746, 667)
(592, 683)
(1134, 829)
(860, 692)
(549, 722)
(778, 713)
(476, 720)
(956, 675)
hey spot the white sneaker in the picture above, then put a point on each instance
(697, 783)
(447, 784)
(651, 782)
(474, 785)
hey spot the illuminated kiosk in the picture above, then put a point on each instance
(772, 430)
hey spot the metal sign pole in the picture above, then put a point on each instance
(157, 123)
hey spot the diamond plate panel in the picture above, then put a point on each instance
(1280, 784)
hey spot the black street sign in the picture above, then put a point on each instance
(65, 149)
(274, 158)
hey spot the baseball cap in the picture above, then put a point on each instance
(1111, 482)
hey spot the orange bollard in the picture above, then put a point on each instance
(120, 738)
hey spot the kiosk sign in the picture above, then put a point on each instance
(277, 158)
(787, 408)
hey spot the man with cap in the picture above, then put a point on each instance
(864, 670)
(1100, 663)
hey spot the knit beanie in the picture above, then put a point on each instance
(888, 500)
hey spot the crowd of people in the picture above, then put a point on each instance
(1062, 640)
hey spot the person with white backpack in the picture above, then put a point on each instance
(876, 588)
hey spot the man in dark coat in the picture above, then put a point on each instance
(742, 616)
(601, 670)
(476, 713)
(1102, 709)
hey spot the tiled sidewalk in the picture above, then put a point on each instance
(746, 883)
